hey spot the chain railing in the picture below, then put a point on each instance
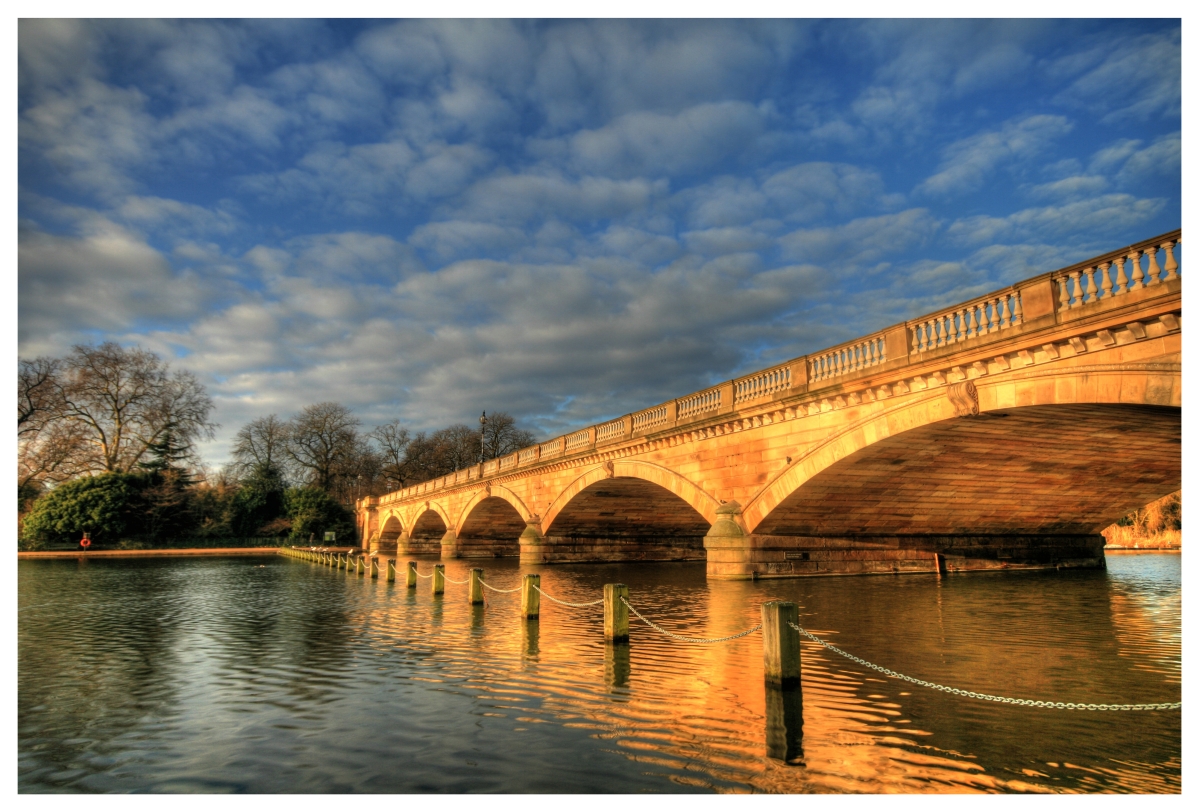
(674, 636)
(484, 583)
(566, 603)
(1031, 703)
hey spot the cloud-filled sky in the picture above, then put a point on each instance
(564, 220)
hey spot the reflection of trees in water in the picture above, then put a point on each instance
(96, 648)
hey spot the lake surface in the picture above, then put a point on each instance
(277, 675)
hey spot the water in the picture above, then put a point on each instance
(276, 675)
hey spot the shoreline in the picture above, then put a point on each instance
(188, 551)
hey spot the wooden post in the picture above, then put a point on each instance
(781, 644)
(475, 588)
(531, 599)
(391, 570)
(939, 563)
(410, 575)
(360, 567)
(374, 567)
(616, 613)
(340, 564)
(439, 579)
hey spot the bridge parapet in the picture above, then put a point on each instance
(1078, 286)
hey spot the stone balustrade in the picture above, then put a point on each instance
(1118, 273)
(552, 448)
(988, 314)
(650, 418)
(762, 384)
(698, 404)
(578, 440)
(852, 357)
(528, 454)
(610, 431)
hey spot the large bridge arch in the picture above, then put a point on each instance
(490, 524)
(697, 498)
(629, 510)
(390, 529)
(1051, 394)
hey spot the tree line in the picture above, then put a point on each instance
(107, 443)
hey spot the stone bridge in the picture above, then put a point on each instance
(1003, 432)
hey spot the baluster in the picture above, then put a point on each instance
(925, 336)
(1153, 271)
(1091, 285)
(841, 362)
(1172, 266)
(951, 329)
(1077, 291)
(1004, 319)
(939, 340)
(862, 354)
(882, 350)
(916, 338)
(1135, 257)
(874, 352)
(1122, 280)
(961, 333)
(1064, 293)
(1018, 311)
(1105, 282)
(974, 329)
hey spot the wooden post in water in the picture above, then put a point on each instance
(781, 644)
(439, 579)
(391, 570)
(360, 568)
(339, 563)
(374, 567)
(410, 575)
(616, 613)
(475, 588)
(531, 599)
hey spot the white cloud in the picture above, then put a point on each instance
(656, 144)
(968, 163)
(861, 241)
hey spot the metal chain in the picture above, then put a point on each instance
(489, 586)
(656, 627)
(1032, 703)
(565, 603)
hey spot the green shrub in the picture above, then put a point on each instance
(313, 512)
(101, 505)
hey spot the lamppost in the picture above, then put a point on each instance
(482, 430)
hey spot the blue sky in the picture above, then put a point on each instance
(564, 220)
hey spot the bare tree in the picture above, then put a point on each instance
(322, 441)
(392, 440)
(118, 405)
(37, 394)
(261, 446)
(501, 436)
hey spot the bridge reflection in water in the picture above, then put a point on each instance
(221, 675)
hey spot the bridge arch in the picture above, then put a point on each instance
(491, 524)
(390, 529)
(427, 525)
(628, 511)
(1049, 452)
(494, 492)
(698, 499)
